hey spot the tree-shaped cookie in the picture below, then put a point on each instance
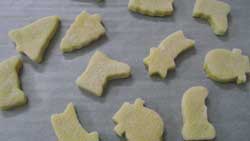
(226, 66)
(68, 128)
(99, 70)
(34, 38)
(194, 112)
(215, 12)
(85, 29)
(152, 7)
(138, 123)
(161, 59)
(11, 95)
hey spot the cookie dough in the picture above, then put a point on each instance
(138, 123)
(215, 12)
(99, 70)
(194, 112)
(68, 128)
(85, 29)
(161, 59)
(34, 38)
(152, 7)
(226, 66)
(11, 95)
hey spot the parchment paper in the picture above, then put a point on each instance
(50, 86)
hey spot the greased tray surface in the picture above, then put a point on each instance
(50, 86)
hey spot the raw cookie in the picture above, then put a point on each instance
(138, 123)
(11, 95)
(68, 128)
(194, 113)
(152, 7)
(85, 29)
(225, 66)
(99, 70)
(34, 38)
(161, 59)
(215, 12)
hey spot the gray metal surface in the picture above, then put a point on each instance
(50, 86)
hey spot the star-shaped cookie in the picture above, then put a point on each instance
(161, 59)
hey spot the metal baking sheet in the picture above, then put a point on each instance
(50, 86)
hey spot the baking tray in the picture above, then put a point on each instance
(50, 86)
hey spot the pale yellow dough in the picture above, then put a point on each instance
(85, 29)
(194, 112)
(138, 123)
(161, 59)
(68, 128)
(11, 95)
(99, 70)
(152, 7)
(34, 38)
(225, 66)
(215, 12)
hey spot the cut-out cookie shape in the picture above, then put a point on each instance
(161, 59)
(226, 66)
(34, 38)
(152, 7)
(215, 12)
(85, 29)
(194, 112)
(11, 95)
(68, 128)
(99, 70)
(138, 123)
